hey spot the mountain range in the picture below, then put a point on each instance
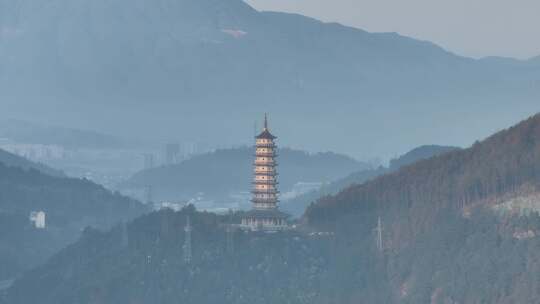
(461, 227)
(208, 65)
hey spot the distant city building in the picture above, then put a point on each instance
(149, 162)
(37, 218)
(190, 149)
(149, 194)
(172, 154)
(265, 214)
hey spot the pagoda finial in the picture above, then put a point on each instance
(265, 121)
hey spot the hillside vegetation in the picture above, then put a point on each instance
(298, 205)
(442, 243)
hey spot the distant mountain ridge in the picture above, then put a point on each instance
(120, 58)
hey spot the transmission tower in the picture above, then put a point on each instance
(187, 241)
(230, 239)
(229, 229)
(379, 230)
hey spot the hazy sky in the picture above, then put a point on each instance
(473, 28)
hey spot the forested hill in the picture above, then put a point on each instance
(13, 160)
(440, 244)
(226, 171)
(461, 227)
(298, 205)
(505, 165)
(70, 205)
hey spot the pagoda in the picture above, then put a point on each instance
(265, 214)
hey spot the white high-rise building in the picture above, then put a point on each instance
(38, 219)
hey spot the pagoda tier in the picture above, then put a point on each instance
(265, 214)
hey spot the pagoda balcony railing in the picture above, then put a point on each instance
(265, 145)
(266, 173)
(265, 154)
(266, 163)
(265, 200)
(265, 191)
(265, 182)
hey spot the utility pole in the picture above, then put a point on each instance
(187, 241)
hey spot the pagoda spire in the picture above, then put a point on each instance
(265, 121)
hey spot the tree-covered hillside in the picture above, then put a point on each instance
(507, 163)
(298, 205)
(69, 204)
(443, 241)
(479, 259)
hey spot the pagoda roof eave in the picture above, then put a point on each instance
(265, 135)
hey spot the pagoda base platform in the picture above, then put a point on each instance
(267, 220)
